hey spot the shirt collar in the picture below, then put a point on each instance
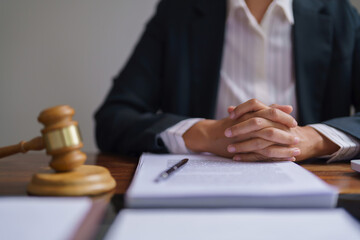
(285, 5)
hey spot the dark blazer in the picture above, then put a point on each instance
(173, 72)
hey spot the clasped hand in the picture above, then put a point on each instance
(257, 132)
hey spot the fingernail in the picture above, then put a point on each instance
(228, 132)
(292, 159)
(232, 115)
(237, 158)
(231, 148)
(296, 140)
(296, 151)
(295, 123)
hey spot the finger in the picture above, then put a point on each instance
(250, 106)
(276, 115)
(255, 157)
(230, 109)
(285, 108)
(250, 125)
(251, 145)
(277, 136)
(276, 151)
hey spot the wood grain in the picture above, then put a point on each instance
(16, 172)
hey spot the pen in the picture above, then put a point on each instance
(165, 174)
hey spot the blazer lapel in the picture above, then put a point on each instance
(206, 45)
(312, 50)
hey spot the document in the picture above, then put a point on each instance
(211, 181)
(234, 224)
(41, 217)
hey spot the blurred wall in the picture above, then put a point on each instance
(63, 52)
(356, 3)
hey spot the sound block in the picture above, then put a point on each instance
(82, 181)
(355, 165)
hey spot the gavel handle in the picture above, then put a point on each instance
(33, 144)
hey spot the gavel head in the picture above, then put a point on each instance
(62, 138)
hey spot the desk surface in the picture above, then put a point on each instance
(16, 172)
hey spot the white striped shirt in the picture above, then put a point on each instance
(258, 63)
(257, 60)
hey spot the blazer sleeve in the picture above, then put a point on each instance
(351, 125)
(130, 120)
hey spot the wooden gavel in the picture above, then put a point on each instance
(60, 137)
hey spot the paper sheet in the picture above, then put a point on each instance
(38, 218)
(234, 224)
(216, 177)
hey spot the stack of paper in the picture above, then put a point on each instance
(234, 224)
(210, 181)
(41, 217)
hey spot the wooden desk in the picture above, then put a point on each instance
(16, 172)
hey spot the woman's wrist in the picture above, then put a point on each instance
(198, 137)
(317, 144)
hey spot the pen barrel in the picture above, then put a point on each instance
(171, 170)
(167, 173)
